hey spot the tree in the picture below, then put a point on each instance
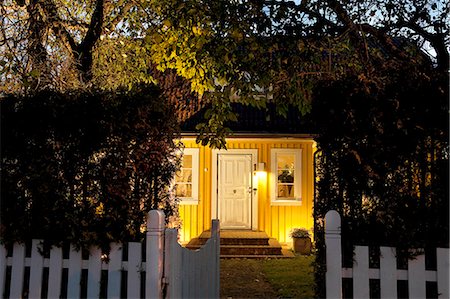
(283, 47)
(373, 73)
(85, 168)
(252, 52)
(53, 42)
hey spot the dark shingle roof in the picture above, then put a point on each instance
(259, 121)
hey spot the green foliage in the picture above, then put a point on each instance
(299, 233)
(85, 168)
(256, 52)
(383, 160)
(214, 45)
(121, 63)
(213, 131)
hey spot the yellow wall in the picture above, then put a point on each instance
(276, 221)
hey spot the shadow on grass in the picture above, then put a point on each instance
(267, 278)
(291, 278)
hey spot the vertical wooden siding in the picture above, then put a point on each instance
(277, 221)
(193, 216)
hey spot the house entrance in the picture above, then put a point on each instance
(235, 193)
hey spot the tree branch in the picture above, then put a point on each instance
(436, 40)
(354, 30)
(119, 17)
(385, 40)
(302, 8)
(92, 36)
(57, 26)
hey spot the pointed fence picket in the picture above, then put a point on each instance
(67, 274)
(55, 272)
(17, 272)
(388, 275)
(2, 268)
(114, 271)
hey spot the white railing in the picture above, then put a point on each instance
(154, 275)
(387, 274)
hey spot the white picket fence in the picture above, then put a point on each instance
(165, 270)
(387, 274)
(179, 265)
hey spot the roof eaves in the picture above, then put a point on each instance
(265, 135)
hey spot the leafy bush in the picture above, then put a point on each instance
(85, 168)
(299, 233)
(383, 161)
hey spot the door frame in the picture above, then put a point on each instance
(214, 179)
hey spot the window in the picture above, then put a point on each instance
(286, 176)
(186, 179)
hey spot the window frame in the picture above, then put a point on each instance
(194, 199)
(297, 199)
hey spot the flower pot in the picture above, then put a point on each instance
(302, 245)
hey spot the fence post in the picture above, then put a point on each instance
(215, 235)
(154, 254)
(333, 276)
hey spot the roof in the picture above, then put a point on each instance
(253, 121)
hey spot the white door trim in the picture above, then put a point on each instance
(214, 208)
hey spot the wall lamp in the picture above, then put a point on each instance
(259, 167)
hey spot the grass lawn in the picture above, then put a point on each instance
(291, 278)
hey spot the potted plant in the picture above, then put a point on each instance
(301, 240)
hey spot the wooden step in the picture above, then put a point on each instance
(286, 253)
(273, 248)
(236, 241)
(244, 244)
(237, 237)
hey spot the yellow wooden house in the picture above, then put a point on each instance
(263, 181)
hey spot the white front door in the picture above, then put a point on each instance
(234, 190)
